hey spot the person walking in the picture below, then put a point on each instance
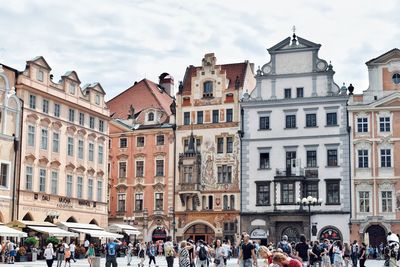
(354, 253)
(315, 254)
(266, 255)
(49, 255)
(363, 254)
(129, 253)
(247, 252)
(111, 252)
(338, 254)
(169, 252)
(72, 249)
(151, 252)
(346, 254)
(302, 249)
(60, 254)
(141, 253)
(202, 254)
(184, 256)
(67, 257)
(219, 254)
(90, 254)
(285, 245)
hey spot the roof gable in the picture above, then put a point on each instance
(385, 58)
(289, 44)
(72, 75)
(39, 60)
(392, 100)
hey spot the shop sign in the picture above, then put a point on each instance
(258, 234)
(84, 202)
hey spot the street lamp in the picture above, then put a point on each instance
(309, 201)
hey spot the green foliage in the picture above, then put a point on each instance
(31, 242)
(53, 240)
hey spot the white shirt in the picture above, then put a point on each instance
(48, 253)
(72, 247)
(87, 243)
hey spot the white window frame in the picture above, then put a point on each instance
(45, 106)
(381, 200)
(54, 182)
(99, 191)
(126, 169)
(44, 138)
(90, 188)
(369, 201)
(71, 88)
(57, 111)
(144, 164)
(368, 158)
(385, 115)
(40, 75)
(163, 171)
(70, 152)
(56, 142)
(81, 149)
(118, 199)
(31, 135)
(157, 197)
(44, 179)
(79, 187)
(362, 123)
(69, 185)
(7, 178)
(100, 154)
(380, 156)
(91, 152)
(29, 180)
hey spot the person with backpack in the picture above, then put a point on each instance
(169, 252)
(285, 246)
(111, 252)
(302, 249)
(202, 254)
(151, 252)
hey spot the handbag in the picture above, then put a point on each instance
(217, 261)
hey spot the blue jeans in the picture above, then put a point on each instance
(247, 263)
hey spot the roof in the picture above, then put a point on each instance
(38, 59)
(286, 44)
(384, 58)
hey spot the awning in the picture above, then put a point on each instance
(10, 232)
(53, 231)
(131, 232)
(124, 228)
(97, 233)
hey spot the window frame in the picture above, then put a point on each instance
(329, 200)
(331, 119)
(229, 115)
(140, 143)
(263, 123)
(290, 121)
(266, 194)
(287, 93)
(311, 120)
(266, 165)
(215, 116)
(186, 118)
(362, 125)
(200, 119)
(329, 160)
(290, 191)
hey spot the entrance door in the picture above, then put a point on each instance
(200, 231)
(377, 235)
(290, 162)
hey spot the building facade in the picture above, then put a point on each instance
(207, 184)
(295, 146)
(63, 151)
(141, 162)
(374, 118)
(10, 124)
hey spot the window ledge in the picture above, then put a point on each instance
(264, 169)
(332, 204)
(332, 125)
(261, 130)
(263, 205)
(337, 166)
(292, 128)
(307, 127)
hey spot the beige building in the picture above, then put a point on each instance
(10, 112)
(64, 147)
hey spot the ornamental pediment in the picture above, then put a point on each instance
(56, 125)
(30, 158)
(82, 132)
(159, 187)
(122, 156)
(43, 161)
(80, 169)
(70, 166)
(71, 129)
(100, 173)
(139, 187)
(91, 171)
(32, 117)
(55, 164)
(45, 122)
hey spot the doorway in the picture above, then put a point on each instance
(377, 235)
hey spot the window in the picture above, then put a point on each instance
(160, 140)
(199, 117)
(384, 124)
(91, 151)
(79, 187)
(40, 75)
(331, 118)
(264, 160)
(186, 118)
(386, 158)
(264, 123)
(159, 167)
(99, 191)
(70, 147)
(80, 149)
(32, 101)
(396, 78)
(54, 182)
(364, 201)
(187, 174)
(122, 170)
(121, 202)
(220, 145)
(215, 116)
(71, 115)
(208, 89)
(140, 141)
(290, 121)
(29, 178)
(224, 174)
(42, 180)
(139, 202)
(72, 88)
(45, 106)
(4, 175)
(69, 186)
(57, 110)
(97, 100)
(101, 125)
(81, 119)
(362, 125)
(333, 192)
(287, 193)
(311, 158)
(123, 142)
(262, 195)
(139, 168)
(90, 189)
(311, 190)
(100, 155)
(311, 120)
(150, 117)
(56, 142)
(288, 93)
(332, 157)
(43, 143)
(159, 201)
(362, 158)
(387, 201)
(91, 122)
(229, 144)
(229, 115)
(300, 92)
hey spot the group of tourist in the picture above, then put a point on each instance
(8, 251)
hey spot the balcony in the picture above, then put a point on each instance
(184, 187)
(159, 212)
(311, 172)
(289, 173)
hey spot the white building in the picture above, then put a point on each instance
(295, 144)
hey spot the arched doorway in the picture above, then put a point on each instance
(159, 233)
(377, 235)
(72, 219)
(200, 232)
(27, 217)
(292, 234)
(330, 233)
(94, 222)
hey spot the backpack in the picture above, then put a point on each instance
(202, 253)
(111, 249)
(169, 251)
(285, 248)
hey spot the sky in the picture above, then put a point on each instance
(118, 42)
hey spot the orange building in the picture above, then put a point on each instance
(141, 158)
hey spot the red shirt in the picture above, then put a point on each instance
(294, 263)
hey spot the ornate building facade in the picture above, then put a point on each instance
(207, 183)
(295, 146)
(63, 154)
(374, 118)
(141, 162)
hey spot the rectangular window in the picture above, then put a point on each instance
(44, 139)
(159, 201)
(32, 101)
(364, 201)
(122, 170)
(69, 186)
(57, 110)
(45, 106)
(224, 174)
(288, 93)
(160, 167)
(79, 187)
(387, 201)
(229, 144)
(56, 142)
(287, 193)
(140, 141)
(199, 117)
(121, 202)
(70, 147)
(384, 124)
(362, 125)
(29, 178)
(81, 119)
(187, 174)
(311, 158)
(4, 175)
(208, 89)
(362, 158)
(31, 135)
(42, 180)
(91, 152)
(290, 121)
(311, 190)
(263, 198)
(54, 182)
(331, 118)
(72, 88)
(123, 142)
(332, 157)
(40, 75)
(91, 122)
(333, 192)
(300, 92)
(71, 115)
(229, 115)
(264, 160)
(160, 140)
(264, 123)
(100, 155)
(139, 202)
(139, 168)
(311, 120)
(100, 191)
(101, 125)
(386, 158)
(186, 118)
(215, 116)
(80, 149)
(90, 189)
(220, 145)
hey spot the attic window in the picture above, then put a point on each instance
(150, 116)
(208, 89)
(40, 75)
(396, 78)
(72, 88)
(97, 100)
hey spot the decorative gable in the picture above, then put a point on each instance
(39, 61)
(72, 75)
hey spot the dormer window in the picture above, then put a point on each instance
(208, 89)
(72, 88)
(150, 116)
(97, 100)
(40, 75)
(396, 78)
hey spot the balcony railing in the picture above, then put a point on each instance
(311, 172)
(188, 187)
(289, 172)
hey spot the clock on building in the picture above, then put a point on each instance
(321, 65)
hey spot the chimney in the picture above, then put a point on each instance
(167, 82)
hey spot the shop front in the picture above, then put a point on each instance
(159, 233)
(261, 235)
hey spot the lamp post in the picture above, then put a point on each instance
(308, 202)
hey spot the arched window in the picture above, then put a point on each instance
(27, 217)
(232, 202)
(94, 222)
(204, 202)
(208, 89)
(226, 204)
(150, 116)
(396, 78)
(210, 202)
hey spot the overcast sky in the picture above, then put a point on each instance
(118, 42)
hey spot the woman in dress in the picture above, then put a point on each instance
(337, 254)
(90, 253)
(49, 255)
(266, 255)
(219, 254)
(142, 253)
(184, 259)
(346, 254)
